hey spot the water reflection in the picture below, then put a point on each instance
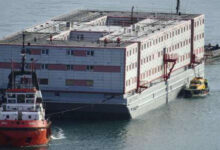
(91, 134)
(25, 148)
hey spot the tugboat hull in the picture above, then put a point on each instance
(23, 134)
(196, 93)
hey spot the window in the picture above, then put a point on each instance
(45, 52)
(44, 66)
(29, 95)
(81, 37)
(43, 81)
(72, 52)
(72, 82)
(11, 101)
(57, 93)
(11, 95)
(68, 67)
(77, 37)
(29, 101)
(21, 98)
(90, 53)
(28, 51)
(68, 52)
(89, 68)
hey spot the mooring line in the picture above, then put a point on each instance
(69, 110)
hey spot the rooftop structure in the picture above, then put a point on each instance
(70, 29)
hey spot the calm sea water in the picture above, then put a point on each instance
(184, 124)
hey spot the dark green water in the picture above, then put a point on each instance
(184, 124)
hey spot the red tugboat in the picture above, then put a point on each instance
(22, 116)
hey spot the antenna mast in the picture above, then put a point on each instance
(178, 6)
(23, 52)
(132, 17)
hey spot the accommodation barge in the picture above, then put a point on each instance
(109, 62)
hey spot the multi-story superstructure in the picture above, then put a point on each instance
(109, 61)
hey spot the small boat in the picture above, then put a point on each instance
(211, 53)
(22, 115)
(198, 88)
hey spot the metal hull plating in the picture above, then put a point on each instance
(136, 104)
(19, 135)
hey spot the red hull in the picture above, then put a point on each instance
(24, 133)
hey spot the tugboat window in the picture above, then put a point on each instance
(11, 95)
(29, 101)
(11, 101)
(21, 98)
(30, 96)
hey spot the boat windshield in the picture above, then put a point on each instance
(21, 98)
(29, 95)
(11, 101)
(10, 95)
(196, 82)
(29, 101)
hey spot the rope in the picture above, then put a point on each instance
(74, 109)
(69, 110)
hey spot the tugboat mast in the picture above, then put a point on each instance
(178, 6)
(23, 52)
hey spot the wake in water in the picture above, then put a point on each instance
(57, 134)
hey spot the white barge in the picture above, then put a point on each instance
(119, 63)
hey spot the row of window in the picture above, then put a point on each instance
(149, 44)
(160, 54)
(43, 81)
(72, 67)
(68, 52)
(70, 82)
(80, 37)
(67, 67)
(162, 38)
(37, 51)
(80, 52)
(76, 67)
(199, 51)
(199, 22)
(131, 51)
(169, 49)
(159, 69)
(198, 36)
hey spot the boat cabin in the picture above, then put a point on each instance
(22, 104)
(198, 83)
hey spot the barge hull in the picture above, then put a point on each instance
(136, 104)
